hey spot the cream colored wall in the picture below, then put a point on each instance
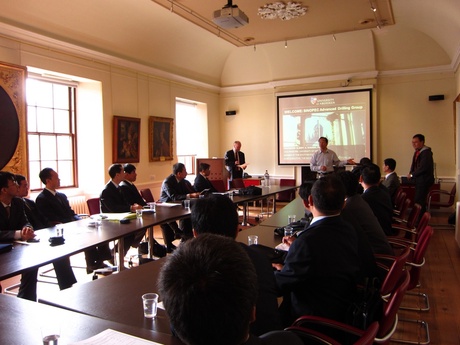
(125, 92)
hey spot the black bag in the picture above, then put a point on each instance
(251, 190)
(274, 255)
(159, 250)
(367, 306)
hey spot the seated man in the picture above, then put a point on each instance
(176, 188)
(377, 197)
(14, 225)
(322, 265)
(64, 272)
(201, 180)
(391, 180)
(209, 290)
(55, 207)
(113, 201)
(217, 214)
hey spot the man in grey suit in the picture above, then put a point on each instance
(391, 180)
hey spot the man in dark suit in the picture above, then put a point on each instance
(127, 187)
(235, 161)
(64, 272)
(391, 180)
(377, 197)
(14, 225)
(217, 214)
(55, 207)
(176, 188)
(321, 268)
(421, 170)
(113, 201)
(201, 180)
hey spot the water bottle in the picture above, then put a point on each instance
(267, 178)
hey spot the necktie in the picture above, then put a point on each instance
(417, 154)
(8, 211)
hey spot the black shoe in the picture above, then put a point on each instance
(170, 248)
(178, 235)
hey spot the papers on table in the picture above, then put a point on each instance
(166, 204)
(119, 216)
(109, 336)
(282, 246)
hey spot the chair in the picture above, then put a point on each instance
(389, 320)
(415, 264)
(146, 193)
(219, 185)
(411, 235)
(288, 195)
(402, 212)
(237, 183)
(399, 203)
(328, 330)
(94, 206)
(442, 202)
(401, 224)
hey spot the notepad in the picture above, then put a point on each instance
(109, 336)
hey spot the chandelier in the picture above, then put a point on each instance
(281, 10)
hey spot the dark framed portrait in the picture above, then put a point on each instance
(126, 137)
(161, 131)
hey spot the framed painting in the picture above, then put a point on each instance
(161, 131)
(126, 136)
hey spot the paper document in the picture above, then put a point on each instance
(166, 204)
(119, 216)
(109, 336)
(282, 246)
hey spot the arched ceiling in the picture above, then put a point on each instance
(149, 33)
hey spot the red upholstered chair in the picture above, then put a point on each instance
(286, 196)
(401, 225)
(237, 183)
(146, 193)
(411, 235)
(399, 203)
(319, 330)
(219, 185)
(94, 206)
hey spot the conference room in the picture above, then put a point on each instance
(140, 63)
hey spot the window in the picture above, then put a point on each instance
(51, 132)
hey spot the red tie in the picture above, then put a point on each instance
(416, 154)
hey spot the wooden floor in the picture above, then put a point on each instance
(440, 279)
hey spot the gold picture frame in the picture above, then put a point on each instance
(126, 139)
(161, 131)
(13, 131)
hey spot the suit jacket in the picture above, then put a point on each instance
(112, 200)
(16, 221)
(422, 169)
(267, 314)
(131, 193)
(359, 214)
(321, 269)
(171, 190)
(392, 183)
(202, 183)
(380, 202)
(230, 160)
(55, 208)
(35, 217)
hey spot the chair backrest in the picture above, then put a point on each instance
(413, 216)
(288, 195)
(394, 271)
(94, 206)
(422, 224)
(418, 257)
(237, 183)
(146, 193)
(319, 330)
(404, 208)
(396, 194)
(399, 201)
(219, 185)
(388, 322)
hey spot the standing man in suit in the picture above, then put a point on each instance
(377, 197)
(201, 180)
(176, 188)
(391, 180)
(64, 272)
(421, 170)
(55, 207)
(321, 268)
(235, 161)
(113, 201)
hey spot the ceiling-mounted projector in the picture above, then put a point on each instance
(230, 17)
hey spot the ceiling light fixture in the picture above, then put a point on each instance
(282, 11)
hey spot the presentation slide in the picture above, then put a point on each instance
(344, 118)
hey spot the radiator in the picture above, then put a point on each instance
(78, 204)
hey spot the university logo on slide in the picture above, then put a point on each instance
(313, 100)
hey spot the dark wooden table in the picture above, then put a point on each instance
(280, 218)
(21, 320)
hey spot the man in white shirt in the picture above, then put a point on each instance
(324, 160)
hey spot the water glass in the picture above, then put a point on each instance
(291, 218)
(150, 303)
(139, 213)
(288, 231)
(253, 239)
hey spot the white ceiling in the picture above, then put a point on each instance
(416, 34)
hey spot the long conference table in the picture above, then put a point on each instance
(116, 298)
